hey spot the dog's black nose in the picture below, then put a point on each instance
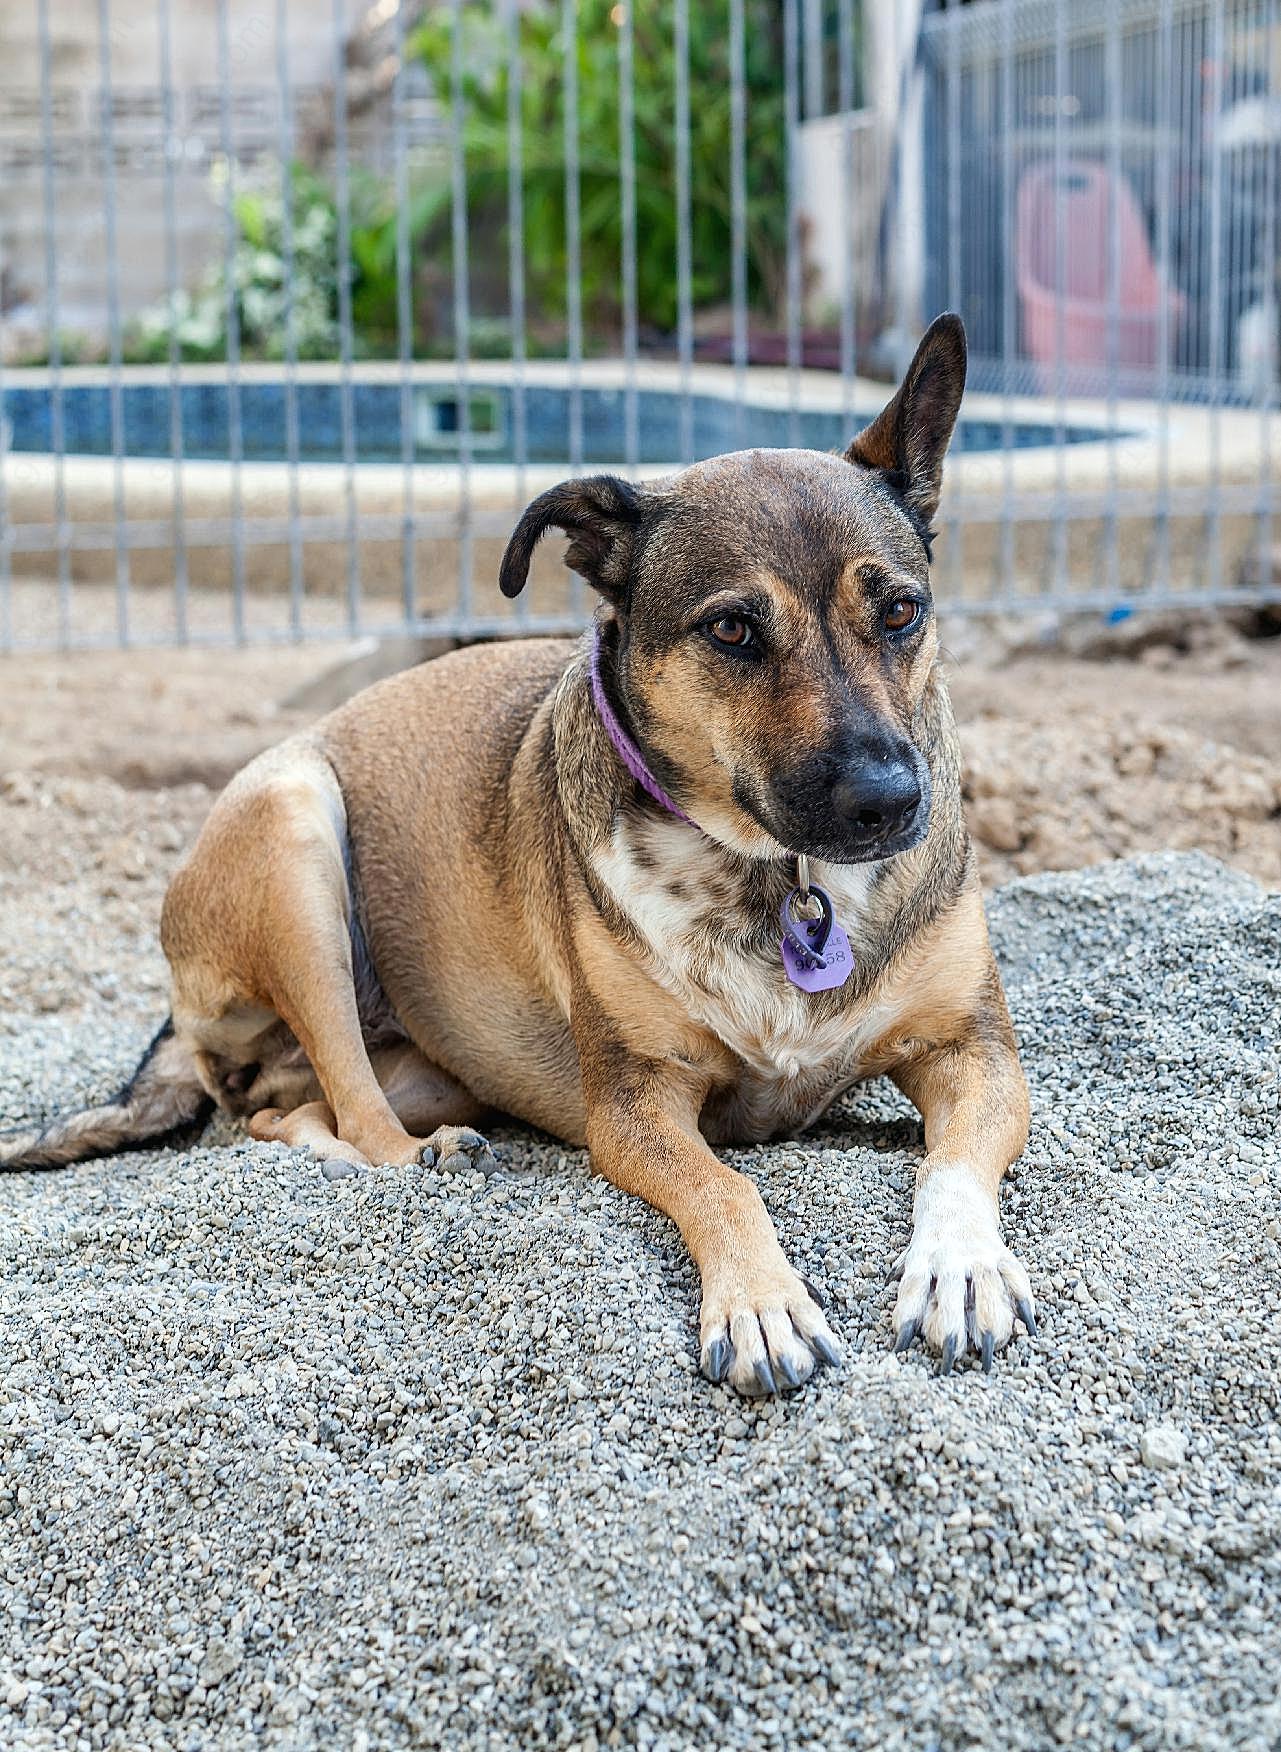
(877, 795)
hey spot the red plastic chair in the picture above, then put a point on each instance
(1081, 190)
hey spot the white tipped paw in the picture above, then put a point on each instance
(456, 1148)
(764, 1336)
(961, 1287)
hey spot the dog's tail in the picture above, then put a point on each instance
(163, 1096)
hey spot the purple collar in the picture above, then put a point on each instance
(624, 747)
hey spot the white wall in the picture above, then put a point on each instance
(842, 211)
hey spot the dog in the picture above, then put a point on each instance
(675, 885)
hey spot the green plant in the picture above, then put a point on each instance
(484, 91)
(267, 298)
(259, 262)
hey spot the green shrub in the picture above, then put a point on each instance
(485, 138)
(199, 318)
(258, 265)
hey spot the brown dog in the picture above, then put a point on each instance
(479, 886)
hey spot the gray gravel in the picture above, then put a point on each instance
(405, 1459)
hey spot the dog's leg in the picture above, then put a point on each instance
(424, 1099)
(760, 1329)
(434, 1107)
(311, 988)
(259, 916)
(309, 1127)
(961, 1286)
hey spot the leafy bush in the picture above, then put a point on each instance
(258, 266)
(485, 139)
(199, 318)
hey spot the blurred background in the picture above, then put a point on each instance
(301, 301)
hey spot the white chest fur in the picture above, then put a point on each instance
(673, 886)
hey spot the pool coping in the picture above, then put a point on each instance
(1193, 457)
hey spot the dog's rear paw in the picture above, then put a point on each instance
(455, 1149)
(765, 1338)
(961, 1286)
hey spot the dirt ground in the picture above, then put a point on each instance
(109, 762)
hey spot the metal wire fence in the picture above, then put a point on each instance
(301, 300)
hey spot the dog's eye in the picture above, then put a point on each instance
(900, 615)
(730, 630)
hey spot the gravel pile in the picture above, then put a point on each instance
(406, 1459)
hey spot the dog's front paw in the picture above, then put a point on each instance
(763, 1332)
(456, 1148)
(961, 1286)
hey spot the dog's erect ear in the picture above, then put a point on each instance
(599, 515)
(908, 438)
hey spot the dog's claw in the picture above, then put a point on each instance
(717, 1359)
(1023, 1308)
(765, 1382)
(790, 1373)
(818, 1301)
(906, 1338)
(825, 1350)
(949, 1355)
(988, 1349)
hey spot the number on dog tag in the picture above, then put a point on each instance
(816, 952)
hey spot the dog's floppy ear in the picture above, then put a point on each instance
(907, 439)
(598, 514)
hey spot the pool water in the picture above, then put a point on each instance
(549, 414)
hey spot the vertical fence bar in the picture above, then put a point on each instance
(573, 236)
(1265, 565)
(1213, 525)
(347, 410)
(1005, 545)
(573, 261)
(812, 20)
(53, 323)
(1189, 351)
(952, 25)
(235, 427)
(684, 269)
(1112, 73)
(285, 136)
(1059, 553)
(738, 208)
(171, 151)
(404, 328)
(120, 534)
(795, 288)
(516, 261)
(1246, 180)
(1240, 205)
(1164, 181)
(462, 307)
(627, 199)
(845, 102)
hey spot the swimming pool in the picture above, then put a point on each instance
(590, 423)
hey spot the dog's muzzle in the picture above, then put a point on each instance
(870, 801)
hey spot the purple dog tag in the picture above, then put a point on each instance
(816, 952)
